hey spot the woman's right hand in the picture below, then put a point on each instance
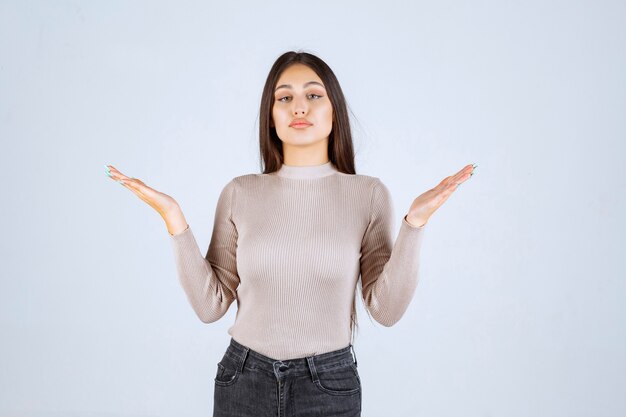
(159, 201)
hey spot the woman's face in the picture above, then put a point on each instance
(300, 94)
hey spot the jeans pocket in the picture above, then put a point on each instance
(340, 380)
(227, 372)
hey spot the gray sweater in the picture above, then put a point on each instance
(289, 247)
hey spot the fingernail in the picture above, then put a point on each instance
(108, 171)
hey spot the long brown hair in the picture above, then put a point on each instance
(340, 147)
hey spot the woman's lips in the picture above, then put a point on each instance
(300, 125)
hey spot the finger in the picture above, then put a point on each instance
(125, 182)
(458, 178)
(136, 189)
(452, 183)
(116, 172)
(116, 175)
(138, 186)
(444, 183)
(461, 180)
(463, 174)
(466, 170)
(109, 170)
(131, 182)
(451, 179)
(142, 191)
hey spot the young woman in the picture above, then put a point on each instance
(290, 244)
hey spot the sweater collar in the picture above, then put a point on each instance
(305, 172)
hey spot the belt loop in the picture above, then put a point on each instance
(243, 359)
(309, 360)
(354, 353)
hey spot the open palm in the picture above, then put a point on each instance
(159, 201)
(427, 203)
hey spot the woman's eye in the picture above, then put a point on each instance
(317, 96)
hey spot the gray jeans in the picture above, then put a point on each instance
(249, 384)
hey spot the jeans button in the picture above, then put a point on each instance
(283, 367)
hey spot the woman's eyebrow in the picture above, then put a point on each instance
(304, 86)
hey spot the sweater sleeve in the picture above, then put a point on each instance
(389, 271)
(210, 282)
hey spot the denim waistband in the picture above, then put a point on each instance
(254, 359)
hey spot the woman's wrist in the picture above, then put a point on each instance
(415, 222)
(175, 221)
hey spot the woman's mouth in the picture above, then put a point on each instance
(300, 125)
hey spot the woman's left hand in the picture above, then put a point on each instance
(425, 205)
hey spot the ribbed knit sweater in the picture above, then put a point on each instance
(289, 246)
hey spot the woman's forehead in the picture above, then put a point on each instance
(298, 74)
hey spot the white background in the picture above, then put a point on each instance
(520, 306)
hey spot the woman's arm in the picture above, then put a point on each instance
(389, 269)
(210, 281)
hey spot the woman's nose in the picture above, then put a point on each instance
(299, 106)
